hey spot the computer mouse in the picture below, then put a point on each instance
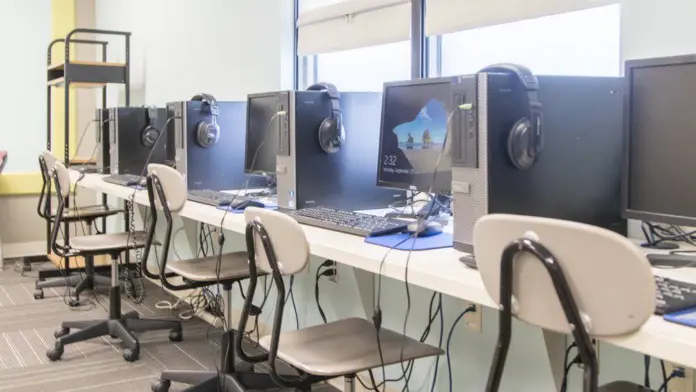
(249, 203)
(424, 228)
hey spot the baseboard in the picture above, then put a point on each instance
(22, 249)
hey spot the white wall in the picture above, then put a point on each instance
(657, 28)
(228, 48)
(25, 32)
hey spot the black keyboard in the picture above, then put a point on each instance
(673, 295)
(123, 179)
(349, 222)
(214, 198)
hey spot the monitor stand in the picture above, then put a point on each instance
(430, 210)
(671, 260)
(660, 245)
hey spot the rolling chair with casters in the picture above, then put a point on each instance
(120, 325)
(167, 191)
(277, 245)
(566, 276)
(86, 215)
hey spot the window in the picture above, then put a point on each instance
(365, 69)
(581, 43)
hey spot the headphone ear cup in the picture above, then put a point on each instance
(149, 137)
(330, 137)
(207, 133)
(519, 144)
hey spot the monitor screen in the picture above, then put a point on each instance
(261, 137)
(662, 137)
(414, 125)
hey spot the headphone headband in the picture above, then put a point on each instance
(325, 86)
(524, 74)
(209, 100)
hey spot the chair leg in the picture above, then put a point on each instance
(349, 383)
(132, 351)
(84, 284)
(206, 386)
(190, 377)
(94, 331)
(69, 281)
(143, 325)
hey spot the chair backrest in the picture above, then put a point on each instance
(166, 190)
(46, 163)
(173, 185)
(289, 242)
(61, 180)
(610, 278)
(276, 245)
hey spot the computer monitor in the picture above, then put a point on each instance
(413, 129)
(263, 126)
(660, 130)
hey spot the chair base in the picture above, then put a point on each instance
(234, 376)
(118, 325)
(77, 282)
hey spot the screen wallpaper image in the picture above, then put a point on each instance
(411, 148)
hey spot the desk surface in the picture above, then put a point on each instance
(438, 270)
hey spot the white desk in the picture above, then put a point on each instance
(438, 270)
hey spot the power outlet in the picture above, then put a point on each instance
(680, 384)
(334, 277)
(473, 320)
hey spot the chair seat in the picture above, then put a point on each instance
(346, 347)
(87, 212)
(623, 386)
(233, 266)
(108, 242)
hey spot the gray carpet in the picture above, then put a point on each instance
(26, 332)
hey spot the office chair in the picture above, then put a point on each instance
(166, 190)
(565, 277)
(277, 245)
(87, 215)
(120, 325)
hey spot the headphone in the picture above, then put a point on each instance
(207, 133)
(331, 132)
(525, 140)
(150, 134)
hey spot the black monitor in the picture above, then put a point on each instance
(262, 133)
(414, 125)
(660, 130)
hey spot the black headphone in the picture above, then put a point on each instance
(208, 133)
(525, 141)
(150, 134)
(331, 132)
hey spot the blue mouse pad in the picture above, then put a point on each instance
(437, 241)
(241, 210)
(684, 317)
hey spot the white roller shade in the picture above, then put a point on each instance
(353, 24)
(448, 16)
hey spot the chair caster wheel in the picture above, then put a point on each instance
(175, 336)
(131, 354)
(26, 267)
(73, 303)
(60, 332)
(56, 352)
(161, 386)
(38, 294)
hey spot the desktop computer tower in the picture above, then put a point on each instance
(132, 139)
(219, 166)
(577, 175)
(307, 176)
(103, 146)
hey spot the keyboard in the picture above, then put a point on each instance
(214, 198)
(349, 222)
(673, 295)
(123, 179)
